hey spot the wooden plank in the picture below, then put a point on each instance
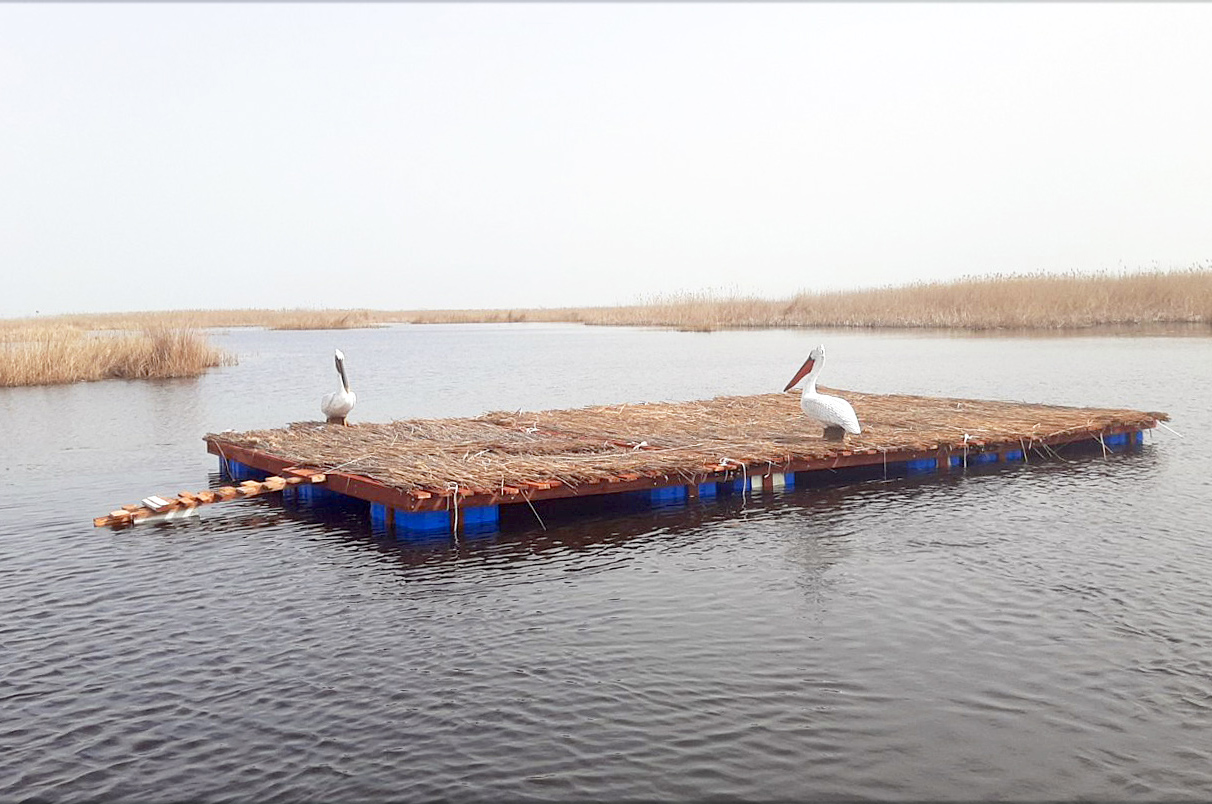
(186, 500)
(295, 474)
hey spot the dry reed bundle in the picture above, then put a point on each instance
(686, 440)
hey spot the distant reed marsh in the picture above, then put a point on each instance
(1034, 301)
(206, 319)
(1039, 301)
(68, 348)
(323, 319)
(1031, 301)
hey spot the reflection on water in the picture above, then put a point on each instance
(548, 533)
(1029, 632)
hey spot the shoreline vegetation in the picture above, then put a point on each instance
(78, 347)
(57, 355)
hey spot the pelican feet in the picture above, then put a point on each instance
(338, 420)
(835, 433)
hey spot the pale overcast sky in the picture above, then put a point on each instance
(403, 156)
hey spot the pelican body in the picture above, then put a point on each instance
(337, 405)
(835, 413)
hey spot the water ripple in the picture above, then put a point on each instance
(1037, 632)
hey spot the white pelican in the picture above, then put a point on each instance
(834, 412)
(337, 405)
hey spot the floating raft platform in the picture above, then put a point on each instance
(428, 476)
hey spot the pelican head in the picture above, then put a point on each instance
(816, 358)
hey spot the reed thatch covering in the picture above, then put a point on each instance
(677, 439)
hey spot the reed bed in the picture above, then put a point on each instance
(1035, 301)
(1031, 301)
(202, 319)
(513, 316)
(57, 355)
(325, 319)
(675, 439)
(1046, 301)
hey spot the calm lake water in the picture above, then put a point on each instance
(1030, 632)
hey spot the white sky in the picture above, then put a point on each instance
(404, 156)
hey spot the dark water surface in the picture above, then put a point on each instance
(1035, 632)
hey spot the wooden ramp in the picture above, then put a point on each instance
(442, 474)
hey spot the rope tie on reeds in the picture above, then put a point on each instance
(1171, 429)
(1052, 453)
(536, 513)
(453, 506)
(744, 476)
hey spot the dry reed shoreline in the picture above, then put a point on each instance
(65, 348)
(1031, 301)
(59, 355)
